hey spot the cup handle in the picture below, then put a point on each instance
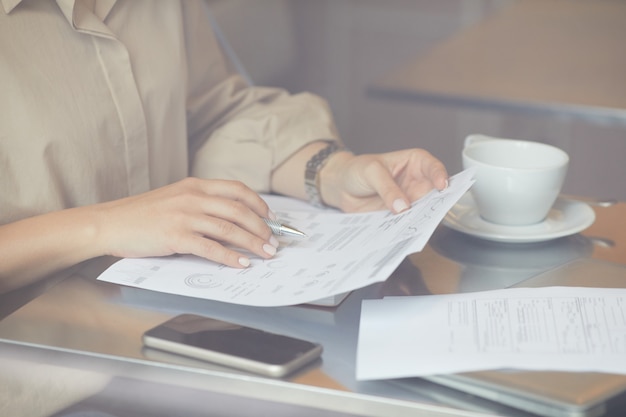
(475, 138)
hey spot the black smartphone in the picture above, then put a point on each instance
(232, 345)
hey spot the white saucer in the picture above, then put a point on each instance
(565, 218)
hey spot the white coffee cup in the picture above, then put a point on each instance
(517, 181)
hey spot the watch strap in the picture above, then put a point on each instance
(313, 167)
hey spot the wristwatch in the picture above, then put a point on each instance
(313, 167)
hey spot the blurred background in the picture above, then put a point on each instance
(564, 59)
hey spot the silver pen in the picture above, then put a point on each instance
(282, 229)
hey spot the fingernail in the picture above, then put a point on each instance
(274, 241)
(244, 261)
(269, 249)
(271, 215)
(399, 205)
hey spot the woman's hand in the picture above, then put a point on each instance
(215, 219)
(390, 180)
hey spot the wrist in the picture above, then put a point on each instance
(313, 168)
(330, 176)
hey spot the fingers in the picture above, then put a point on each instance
(217, 220)
(421, 173)
(384, 184)
(217, 251)
(402, 177)
(234, 231)
(436, 171)
(229, 217)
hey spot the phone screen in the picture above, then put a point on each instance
(232, 344)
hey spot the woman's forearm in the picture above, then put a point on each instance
(38, 246)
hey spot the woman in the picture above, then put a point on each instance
(124, 132)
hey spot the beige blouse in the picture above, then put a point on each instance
(101, 100)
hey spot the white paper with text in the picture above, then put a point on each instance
(343, 252)
(552, 328)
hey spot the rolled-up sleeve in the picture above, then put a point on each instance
(237, 131)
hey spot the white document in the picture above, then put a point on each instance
(343, 252)
(552, 328)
